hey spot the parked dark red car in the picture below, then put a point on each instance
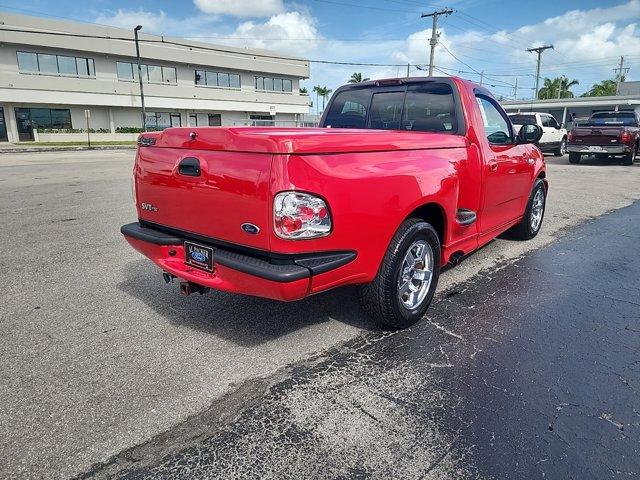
(404, 176)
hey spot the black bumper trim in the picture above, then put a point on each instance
(280, 268)
(135, 230)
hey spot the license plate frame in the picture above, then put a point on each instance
(199, 256)
(595, 148)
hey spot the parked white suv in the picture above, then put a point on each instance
(554, 136)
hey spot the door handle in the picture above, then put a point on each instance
(493, 166)
(189, 166)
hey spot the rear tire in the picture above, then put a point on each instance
(531, 222)
(562, 149)
(574, 158)
(628, 159)
(388, 299)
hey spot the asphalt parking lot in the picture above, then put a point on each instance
(99, 355)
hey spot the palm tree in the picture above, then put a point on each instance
(603, 89)
(317, 90)
(324, 93)
(303, 89)
(558, 87)
(357, 78)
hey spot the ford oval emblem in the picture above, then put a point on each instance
(199, 257)
(250, 228)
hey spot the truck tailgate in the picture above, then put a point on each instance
(596, 135)
(229, 189)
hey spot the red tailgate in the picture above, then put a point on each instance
(230, 189)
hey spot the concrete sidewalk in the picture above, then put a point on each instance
(17, 148)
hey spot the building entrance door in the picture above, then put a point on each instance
(3, 127)
(25, 127)
(175, 120)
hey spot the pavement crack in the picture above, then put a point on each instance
(445, 330)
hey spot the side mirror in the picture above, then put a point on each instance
(529, 133)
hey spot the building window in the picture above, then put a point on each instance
(261, 120)
(217, 79)
(150, 73)
(205, 119)
(274, 84)
(41, 118)
(47, 64)
(162, 120)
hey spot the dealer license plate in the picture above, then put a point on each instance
(198, 256)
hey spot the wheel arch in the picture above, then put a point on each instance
(434, 214)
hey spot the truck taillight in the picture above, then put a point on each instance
(300, 215)
(571, 136)
(625, 137)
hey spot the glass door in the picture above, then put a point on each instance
(25, 127)
(175, 120)
(3, 127)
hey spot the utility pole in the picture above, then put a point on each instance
(560, 87)
(144, 113)
(539, 51)
(515, 90)
(620, 71)
(434, 33)
(408, 66)
(481, 76)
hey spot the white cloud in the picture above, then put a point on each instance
(291, 32)
(153, 22)
(240, 8)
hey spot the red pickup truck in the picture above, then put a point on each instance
(403, 177)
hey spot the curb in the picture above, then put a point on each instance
(65, 149)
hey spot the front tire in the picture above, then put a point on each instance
(407, 279)
(531, 222)
(574, 158)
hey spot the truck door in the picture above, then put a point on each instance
(507, 171)
(550, 130)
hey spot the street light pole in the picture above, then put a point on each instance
(144, 113)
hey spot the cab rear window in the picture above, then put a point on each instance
(424, 107)
(614, 118)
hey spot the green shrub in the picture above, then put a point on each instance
(128, 130)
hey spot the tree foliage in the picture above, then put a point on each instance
(603, 89)
(559, 87)
(356, 77)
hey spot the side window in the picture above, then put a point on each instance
(545, 120)
(496, 126)
(386, 109)
(553, 122)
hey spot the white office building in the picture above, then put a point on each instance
(52, 72)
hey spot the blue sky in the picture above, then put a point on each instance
(487, 36)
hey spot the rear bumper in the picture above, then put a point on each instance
(602, 149)
(287, 277)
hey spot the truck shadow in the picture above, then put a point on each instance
(601, 161)
(244, 320)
